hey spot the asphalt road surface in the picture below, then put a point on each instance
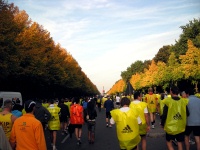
(106, 139)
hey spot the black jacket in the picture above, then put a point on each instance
(41, 113)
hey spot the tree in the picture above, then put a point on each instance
(174, 71)
(190, 31)
(191, 64)
(163, 54)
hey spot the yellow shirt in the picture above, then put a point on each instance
(28, 134)
(6, 122)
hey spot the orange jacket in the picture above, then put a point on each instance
(27, 132)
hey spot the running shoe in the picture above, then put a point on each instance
(152, 126)
(191, 141)
(78, 142)
(54, 147)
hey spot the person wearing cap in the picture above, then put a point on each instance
(7, 118)
(27, 132)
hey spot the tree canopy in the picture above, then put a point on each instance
(31, 62)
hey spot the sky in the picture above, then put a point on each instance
(106, 36)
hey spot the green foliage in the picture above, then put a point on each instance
(163, 54)
(173, 64)
(190, 31)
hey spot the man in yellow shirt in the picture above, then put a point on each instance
(27, 132)
(151, 100)
(6, 118)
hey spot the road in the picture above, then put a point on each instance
(106, 139)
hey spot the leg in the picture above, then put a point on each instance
(197, 140)
(89, 137)
(169, 145)
(187, 144)
(106, 121)
(152, 120)
(76, 133)
(180, 145)
(54, 137)
(144, 143)
(79, 133)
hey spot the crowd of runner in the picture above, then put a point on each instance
(134, 116)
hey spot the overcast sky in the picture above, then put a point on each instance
(107, 36)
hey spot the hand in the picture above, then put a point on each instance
(148, 128)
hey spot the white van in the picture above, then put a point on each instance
(4, 95)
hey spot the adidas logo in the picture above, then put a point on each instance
(127, 129)
(151, 102)
(177, 116)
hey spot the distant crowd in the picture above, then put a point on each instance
(134, 116)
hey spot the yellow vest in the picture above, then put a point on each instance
(46, 105)
(176, 116)
(23, 111)
(54, 122)
(6, 122)
(140, 107)
(127, 128)
(161, 106)
(151, 101)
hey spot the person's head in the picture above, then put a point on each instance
(162, 96)
(76, 100)
(62, 101)
(17, 101)
(183, 94)
(29, 106)
(125, 101)
(7, 104)
(150, 90)
(174, 90)
(91, 105)
(137, 95)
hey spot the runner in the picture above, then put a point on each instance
(143, 114)
(64, 115)
(99, 101)
(27, 132)
(54, 122)
(108, 105)
(76, 118)
(7, 118)
(151, 100)
(117, 101)
(174, 118)
(193, 120)
(127, 125)
(91, 121)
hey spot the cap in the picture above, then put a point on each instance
(28, 106)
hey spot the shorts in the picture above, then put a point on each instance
(194, 129)
(179, 137)
(91, 126)
(77, 126)
(117, 103)
(63, 119)
(108, 115)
